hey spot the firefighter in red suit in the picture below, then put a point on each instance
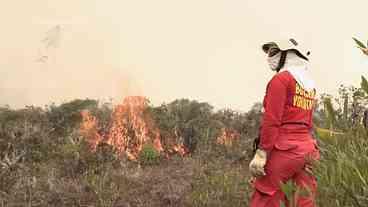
(286, 147)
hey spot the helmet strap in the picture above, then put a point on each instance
(282, 61)
(299, 54)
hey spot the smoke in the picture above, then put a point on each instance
(60, 63)
(44, 87)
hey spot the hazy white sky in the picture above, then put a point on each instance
(207, 50)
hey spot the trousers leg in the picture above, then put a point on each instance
(307, 189)
(280, 167)
(260, 199)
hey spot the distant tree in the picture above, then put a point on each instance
(253, 117)
(66, 116)
(184, 119)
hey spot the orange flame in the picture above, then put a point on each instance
(227, 137)
(180, 149)
(88, 129)
(130, 129)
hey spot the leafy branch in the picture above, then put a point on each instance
(361, 46)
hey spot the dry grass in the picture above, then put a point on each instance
(44, 164)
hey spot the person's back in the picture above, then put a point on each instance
(285, 135)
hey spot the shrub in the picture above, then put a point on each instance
(343, 172)
(149, 155)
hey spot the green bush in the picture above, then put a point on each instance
(149, 155)
(343, 170)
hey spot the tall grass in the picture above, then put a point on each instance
(343, 170)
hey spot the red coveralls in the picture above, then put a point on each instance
(285, 136)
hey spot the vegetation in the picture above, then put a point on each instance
(343, 172)
(149, 155)
(44, 160)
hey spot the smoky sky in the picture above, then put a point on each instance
(56, 51)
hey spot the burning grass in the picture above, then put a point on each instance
(227, 137)
(130, 129)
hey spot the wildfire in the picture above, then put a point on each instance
(227, 137)
(180, 149)
(130, 129)
(88, 129)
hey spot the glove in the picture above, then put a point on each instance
(256, 166)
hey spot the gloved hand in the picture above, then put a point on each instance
(256, 166)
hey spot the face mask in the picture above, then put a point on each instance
(273, 61)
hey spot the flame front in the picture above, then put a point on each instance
(130, 129)
(227, 137)
(88, 129)
(180, 149)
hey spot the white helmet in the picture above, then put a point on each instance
(291, 45)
